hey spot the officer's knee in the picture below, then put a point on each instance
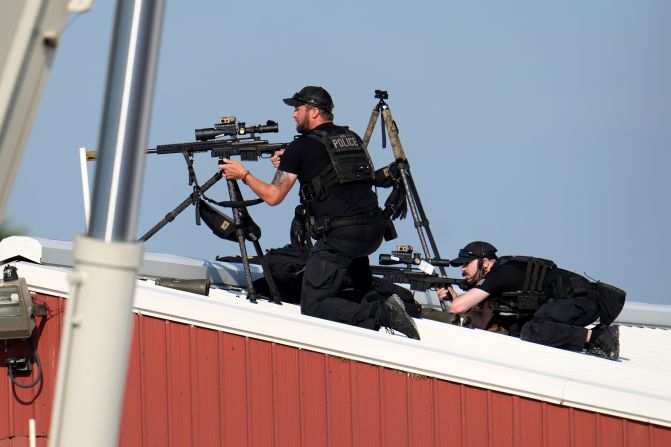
(528, 332)
(308, 306)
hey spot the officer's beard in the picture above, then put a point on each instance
(471, 281)
(303, 126)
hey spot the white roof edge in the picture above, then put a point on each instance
(471, 357)
(645, 314)
(59, 253)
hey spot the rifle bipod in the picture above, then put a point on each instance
(244, 225)
(412, 196)
(245, 230)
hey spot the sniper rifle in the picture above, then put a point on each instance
(417, 279)
(223, 141)
(418, 272)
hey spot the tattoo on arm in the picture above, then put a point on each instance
(280, 177)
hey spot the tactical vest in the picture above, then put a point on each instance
(350, 163)
(531, 296)
(526, 301)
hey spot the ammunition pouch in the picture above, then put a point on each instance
(520, 302)
(307, 192)
(321, 226)
(530, 301)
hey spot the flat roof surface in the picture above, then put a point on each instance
(635, 387)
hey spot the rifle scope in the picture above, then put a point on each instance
(234, 129)
(387, 259)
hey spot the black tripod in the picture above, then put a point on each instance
(412, 196)
(244, 226)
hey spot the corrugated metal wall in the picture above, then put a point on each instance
(189, 386)
(19, 405)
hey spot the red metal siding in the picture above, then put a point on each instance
(286, 396)
(19, 405)
(233, 391)
(189, 386)
(394, 402)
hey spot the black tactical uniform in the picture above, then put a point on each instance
(551, 305)
(559, 321)
(356, 230)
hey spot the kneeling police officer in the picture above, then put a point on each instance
(336, 177)
(551, 306)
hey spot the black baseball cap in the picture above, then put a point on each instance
(311, 95)
(474, 250)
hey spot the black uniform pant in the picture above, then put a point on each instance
(342, 252)
(561, 323)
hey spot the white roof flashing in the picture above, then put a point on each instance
(60, 253)
(635, 387)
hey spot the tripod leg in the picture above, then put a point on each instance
(193, 197)
(246, 226)
(424, 221)
(396, 145)
(234, 194)
(416, 208)
(274, 293)
(415, 204)
(371, 126)
(420, 219)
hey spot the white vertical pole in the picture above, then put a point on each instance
(31, 433)
(96, 334)
(85, 186)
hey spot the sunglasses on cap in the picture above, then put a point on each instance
(463, 253)
(297, 96)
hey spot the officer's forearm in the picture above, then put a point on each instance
(269, 193)
(467, 300)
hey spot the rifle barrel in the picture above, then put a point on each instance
(417, 279)
(219, 148)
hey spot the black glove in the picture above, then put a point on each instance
(298, 235)
(385, 177)
(382, 178)
(396, 205)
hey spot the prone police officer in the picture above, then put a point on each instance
(336, 176)
(552, 306)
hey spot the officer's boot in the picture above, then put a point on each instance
(392, 315)
(605, 342)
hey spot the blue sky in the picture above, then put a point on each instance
(540, 127)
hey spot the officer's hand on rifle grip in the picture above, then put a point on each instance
(233, 170)
(276, 158)
(446, 293)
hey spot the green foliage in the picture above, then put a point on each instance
(8, 228)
